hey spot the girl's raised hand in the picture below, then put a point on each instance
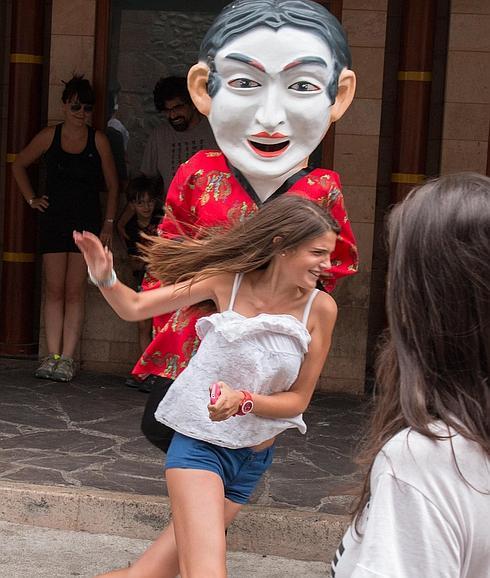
(97, 257)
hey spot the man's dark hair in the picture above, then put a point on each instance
(80, 88)
(169, 88)
(242, 16)
(140, 185)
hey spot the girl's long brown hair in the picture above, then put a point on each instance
(435, 362)
(279, 225)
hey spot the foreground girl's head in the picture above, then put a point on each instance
(438, 302)
(434, 364)
(279, 227)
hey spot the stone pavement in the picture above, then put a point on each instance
(86, 434)
(62, 444)
(28, 551)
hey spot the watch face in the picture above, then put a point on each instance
(247, 406)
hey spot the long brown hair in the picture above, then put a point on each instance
(435, 362)
(280, 225)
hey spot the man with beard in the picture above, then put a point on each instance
(186, 132)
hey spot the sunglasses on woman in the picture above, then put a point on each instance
(76, 106)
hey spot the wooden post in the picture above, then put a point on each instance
(24, 121)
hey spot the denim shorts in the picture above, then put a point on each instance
(240, 469)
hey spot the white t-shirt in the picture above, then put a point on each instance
(168, 148)
(423, 520)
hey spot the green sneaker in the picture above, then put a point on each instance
(65, 370)
(47, 367)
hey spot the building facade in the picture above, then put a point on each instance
(422, 108)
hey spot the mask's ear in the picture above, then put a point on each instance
(345, 94)
(197, 83)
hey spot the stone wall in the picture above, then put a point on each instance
(356, 159)
(152, 44)
(467, 95)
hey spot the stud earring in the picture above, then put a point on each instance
(283, 254)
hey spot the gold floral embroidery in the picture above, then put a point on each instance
(215, 184)
(240, 211)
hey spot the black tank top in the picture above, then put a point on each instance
(74, 180)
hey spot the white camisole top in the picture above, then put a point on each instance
(261, 354)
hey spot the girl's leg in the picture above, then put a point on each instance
(54, 266)
(161, 559)
(75, 286)
(198, 510)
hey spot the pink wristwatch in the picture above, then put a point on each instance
(247, 404)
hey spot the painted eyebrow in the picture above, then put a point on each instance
(306, 60)
(246, 59)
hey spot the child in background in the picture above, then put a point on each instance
(144, 196)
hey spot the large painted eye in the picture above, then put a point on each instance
(243, 83)
(304, 86)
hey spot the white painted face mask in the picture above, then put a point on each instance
(272, 108)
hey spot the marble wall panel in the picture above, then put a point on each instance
(367, 63)
(363, 117)
(466, 121)
(470, 7)
(124, 352)
(356, 159)
(467, 95)
(468, 77)
(360, 203)
(381, 5)
(365, 27)
(470, 32)
(353, 291)
(76, 17)
(464, 155)
(70, 54)
(350, 333)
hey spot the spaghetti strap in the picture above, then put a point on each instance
(308, 305)
(234, 291)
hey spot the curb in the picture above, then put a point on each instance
(263, 530)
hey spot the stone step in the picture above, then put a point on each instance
(293, 534)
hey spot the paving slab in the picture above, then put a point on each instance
(29, 551)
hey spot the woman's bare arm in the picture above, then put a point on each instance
(133, 306)
(112, 184)
(30, 154)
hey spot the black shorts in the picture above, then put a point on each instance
(56, 235)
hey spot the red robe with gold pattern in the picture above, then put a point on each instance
(204, 193)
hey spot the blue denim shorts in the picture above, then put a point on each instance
(239, 469)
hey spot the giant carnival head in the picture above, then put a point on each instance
(272, 76)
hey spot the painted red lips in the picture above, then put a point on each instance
(269, 145)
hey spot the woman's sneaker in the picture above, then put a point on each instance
(64, 370)
(47, 367)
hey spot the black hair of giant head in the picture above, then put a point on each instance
(242, 16)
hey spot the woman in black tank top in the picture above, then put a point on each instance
(78, 160)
